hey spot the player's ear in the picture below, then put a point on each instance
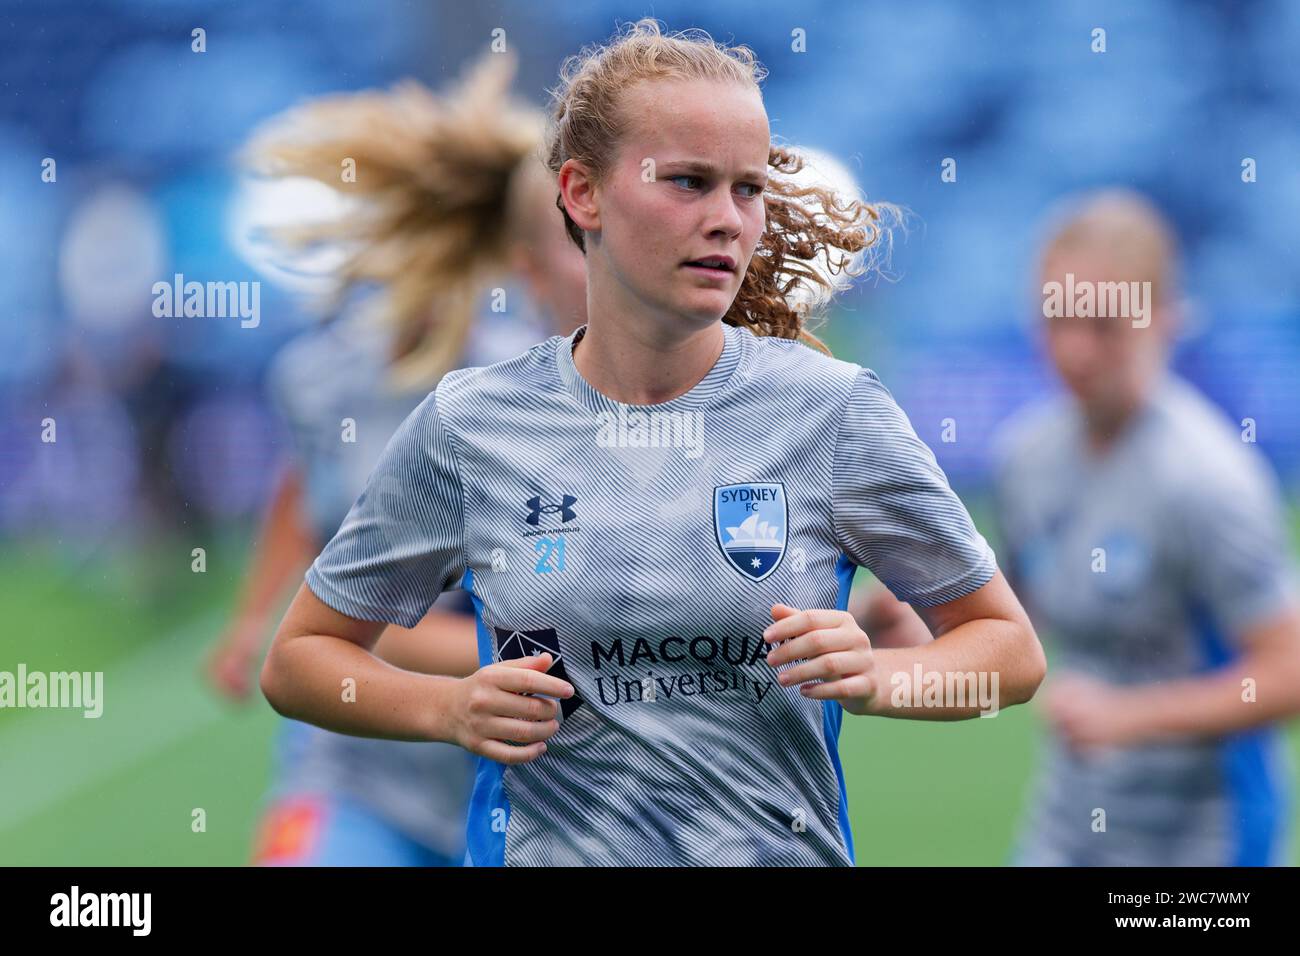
(1168, 317)
(578, 192)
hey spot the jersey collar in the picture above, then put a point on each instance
(734, 349)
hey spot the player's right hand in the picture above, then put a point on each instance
(494, 716)
(229, 669)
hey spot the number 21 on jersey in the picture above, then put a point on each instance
(550, 555)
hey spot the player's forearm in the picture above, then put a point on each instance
(1248, 694)
(1261, 687)
(335, 684)
(887, 621)
(283, 549)
(441, 643)
(977, 668)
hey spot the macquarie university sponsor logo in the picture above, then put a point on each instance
(694, 667)
(102, 909)
(749, 523)
(642, 670)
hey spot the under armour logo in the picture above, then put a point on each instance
(537, 509)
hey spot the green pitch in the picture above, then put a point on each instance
(130, 787)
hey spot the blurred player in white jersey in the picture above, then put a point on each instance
(453, 199)
(1149, 543)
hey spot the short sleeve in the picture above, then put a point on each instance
(303, 385)
(1234, 533)
(284, 389)
(895, 513)
(401, 544)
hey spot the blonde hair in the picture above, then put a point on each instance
(804, 223)
(1127, 229)
(437, 208)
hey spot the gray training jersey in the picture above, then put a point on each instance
(1189, 524)
(332, 388)
(643, 546)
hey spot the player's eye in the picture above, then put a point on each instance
(754, 186)
(694, 179)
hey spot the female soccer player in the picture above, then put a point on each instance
(688, 621)
(1150, 541)
(344, 389)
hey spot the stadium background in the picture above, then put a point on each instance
(165, 442)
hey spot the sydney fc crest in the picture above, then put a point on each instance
(749, 520)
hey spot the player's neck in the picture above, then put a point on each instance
(642, 363)
(1102, 434)
(1105, 427)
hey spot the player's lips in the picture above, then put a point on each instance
(718, 267)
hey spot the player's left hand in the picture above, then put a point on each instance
(1089, 713)
(831, 648)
